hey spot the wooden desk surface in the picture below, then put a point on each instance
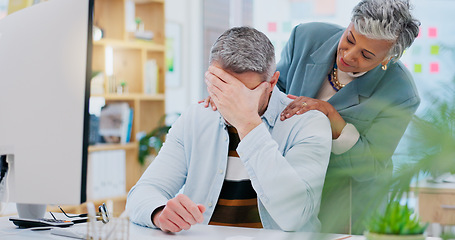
(425, 186)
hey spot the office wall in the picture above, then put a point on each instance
(187, 15)
(277, 18)
(284, 14)
(3, 8)
(430, 59)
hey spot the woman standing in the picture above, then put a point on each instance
(354, 77)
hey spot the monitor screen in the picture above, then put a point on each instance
(45, 71)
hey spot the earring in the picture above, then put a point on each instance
(384, 67)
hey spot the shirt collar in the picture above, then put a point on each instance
(275, 106)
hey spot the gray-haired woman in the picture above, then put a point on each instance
(353, 76)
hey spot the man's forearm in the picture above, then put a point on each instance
(289, 186)
(246, 127)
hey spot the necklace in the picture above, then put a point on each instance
(332, 77)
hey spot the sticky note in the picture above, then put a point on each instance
(271, 27)
(325, 7)
(434, 50)
(434, 67)
(417, 68)
(287, 27)
(432, 32)
(420, 32)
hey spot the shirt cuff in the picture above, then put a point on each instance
(347, 139)
(250, 144)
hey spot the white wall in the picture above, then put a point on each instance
(188, 14)
(292, 13)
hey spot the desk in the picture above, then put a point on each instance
(436, 202)
(198, 232)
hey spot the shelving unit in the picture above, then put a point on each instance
(129, 57)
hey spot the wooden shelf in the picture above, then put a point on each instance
(127, 63)
(131, 97)
(108, 147)
(119, 205)
(133, 44)
(148, 1)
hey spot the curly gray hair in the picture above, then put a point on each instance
(244, 49)
(387, 20)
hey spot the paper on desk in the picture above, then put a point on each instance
(449, 179)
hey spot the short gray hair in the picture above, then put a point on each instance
(387, 20)
(244, 49)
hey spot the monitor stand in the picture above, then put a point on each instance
(24, 210)
(31, 211)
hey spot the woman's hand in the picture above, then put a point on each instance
(208, 102)
(302, 104)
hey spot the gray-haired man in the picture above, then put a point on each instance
(241, 164)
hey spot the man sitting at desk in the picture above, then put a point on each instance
(241, 164)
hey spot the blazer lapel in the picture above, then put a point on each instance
(323, 59)
(346, 97)
(314, 75)
(362, 86)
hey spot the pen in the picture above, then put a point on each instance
(341, 238)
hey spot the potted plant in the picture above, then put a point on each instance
(151, 143)
(398, 222)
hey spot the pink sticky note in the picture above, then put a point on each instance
(432, 32)
(434, 67)
(272, 26)
(420, 32)
(325, 7)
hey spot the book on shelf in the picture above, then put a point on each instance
(150, 77)
(97, 83)
(144, 35)
(94, 125)
(106, 174)
(116, 123)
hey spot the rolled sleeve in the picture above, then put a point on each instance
(253, 141)
(347, 139)
(287, 168)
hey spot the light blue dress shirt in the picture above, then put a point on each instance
(286, 161)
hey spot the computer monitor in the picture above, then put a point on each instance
(45, 71)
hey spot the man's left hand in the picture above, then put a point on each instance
(238, 104)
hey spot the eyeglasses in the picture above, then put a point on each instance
(103, 215)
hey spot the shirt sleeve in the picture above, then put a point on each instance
(347, 139)
(372, 152)
(161, 181)
(289, 181)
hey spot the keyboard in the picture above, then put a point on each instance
(78, 233)
(43, 222)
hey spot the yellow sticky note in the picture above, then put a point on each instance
(417, 68)
(434, 50)
(16, 5)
